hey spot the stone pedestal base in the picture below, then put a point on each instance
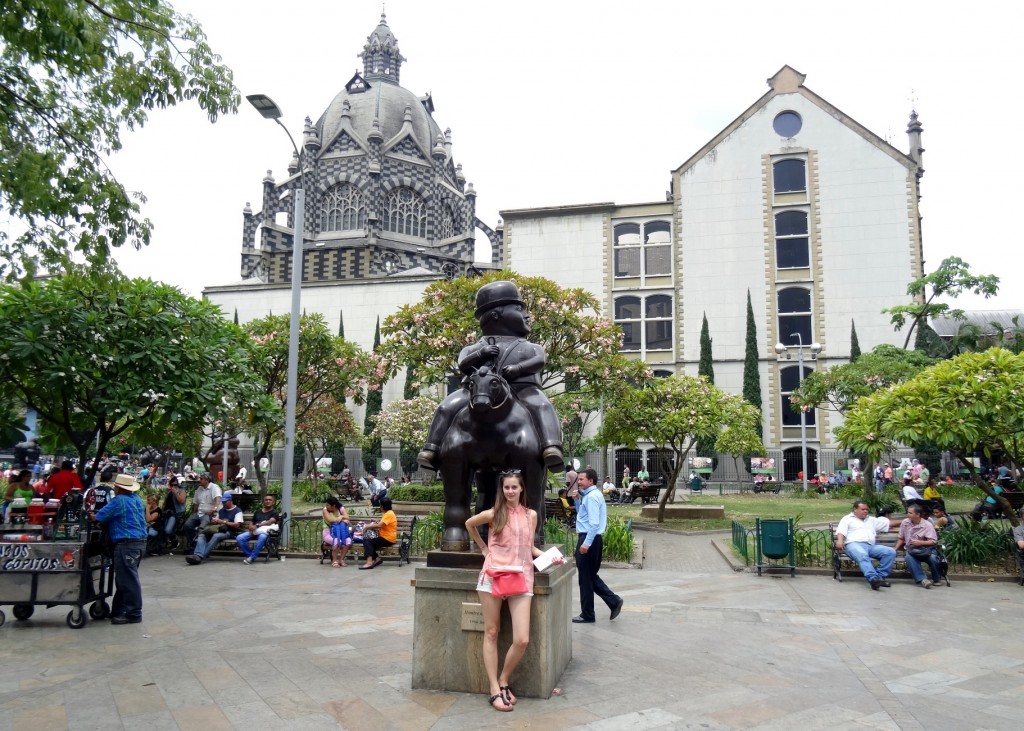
(447, 649)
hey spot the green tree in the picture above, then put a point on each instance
(854, 343)
(928, 342)
(751, 366)
(970, 402)
(374, 404)
(75, 74)
(706, 368)
(951, 279)
(673, 413)
(326, 421)
(98, 357)
(328, 367)
(409, 449)
(432, 332)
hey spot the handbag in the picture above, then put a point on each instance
(507, 581)
(920, 552)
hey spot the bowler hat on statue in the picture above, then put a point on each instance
(496, 294)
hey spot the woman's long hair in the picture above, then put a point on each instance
(501, 505)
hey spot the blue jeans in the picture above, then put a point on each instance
(243, 543)
(862, 553)
(914, 565)
(206, 544)
(127, 601)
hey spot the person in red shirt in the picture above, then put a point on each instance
(62, 482)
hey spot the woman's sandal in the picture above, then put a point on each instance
(504, 702)
(336, 565)
(507, 692)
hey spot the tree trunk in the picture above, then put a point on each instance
(1002, 502)
(670, 485)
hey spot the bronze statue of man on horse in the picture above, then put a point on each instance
(499, 420)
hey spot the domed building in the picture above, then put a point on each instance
(384, 194)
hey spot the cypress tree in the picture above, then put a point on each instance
(854, 344)
(751, 366)
(236, 315)
(705, 446)
(927, 341)
(374, 404)
(341, 324)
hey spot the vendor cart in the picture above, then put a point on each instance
(39, 566)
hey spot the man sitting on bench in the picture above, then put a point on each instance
(227, 523)
(856, 535)
(264, 522)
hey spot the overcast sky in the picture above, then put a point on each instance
(561, 102)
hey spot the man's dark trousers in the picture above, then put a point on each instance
(587, 566)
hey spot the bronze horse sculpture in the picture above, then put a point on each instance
(492, 434)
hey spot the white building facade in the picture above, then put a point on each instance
(794, 202)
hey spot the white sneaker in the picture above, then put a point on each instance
(926, 584)
(248, 561)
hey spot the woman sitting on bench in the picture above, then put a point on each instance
(387, 535)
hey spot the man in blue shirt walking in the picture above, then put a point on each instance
(125, 519)
(591, 521)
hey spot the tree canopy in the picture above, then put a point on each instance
(73, 75)
(837, 388)
(673, 413)
(952, 278)
(329, 368)
(565, 321)
(97, 357)
(970, 402)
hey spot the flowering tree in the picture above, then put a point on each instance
(329, 367)
(98, 357)
(325, 421)
(565, 321)
(970, 402)
(673, 413)
(405, 422)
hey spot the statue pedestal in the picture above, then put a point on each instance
(447, 649)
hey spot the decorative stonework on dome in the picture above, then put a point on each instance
(384, 194)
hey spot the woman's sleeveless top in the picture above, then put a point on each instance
(513, 546)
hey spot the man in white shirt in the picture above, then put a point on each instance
(205, 504)
(856, 535)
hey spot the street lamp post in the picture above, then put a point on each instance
(815, 348)
(266, 106)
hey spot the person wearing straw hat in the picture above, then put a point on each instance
(125, 520)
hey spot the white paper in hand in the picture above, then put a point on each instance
(544, 561)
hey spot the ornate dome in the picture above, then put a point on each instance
(383, 102)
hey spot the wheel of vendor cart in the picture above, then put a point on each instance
(23, 611)
(99, 610)
(79, 622)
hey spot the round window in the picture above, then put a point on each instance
(787, 124)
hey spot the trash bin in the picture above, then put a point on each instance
(775, 541)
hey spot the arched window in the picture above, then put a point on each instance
(627, 317)
(658, 324)
(405, 213)
(446, 224)
(627, 250)
(642, 248)
(789, 176)
(789, 381)
(791, 250)
(794, 315)
(342, 209)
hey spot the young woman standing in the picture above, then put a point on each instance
(510, 544)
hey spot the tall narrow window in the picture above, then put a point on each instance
(627, 250)
(658, 322)
(789, 381)
(791, 249)
(342, 209)
(627, 317)
(657, 248)
(405, 212)
(794, 315)
(446, 226)
(789, 176)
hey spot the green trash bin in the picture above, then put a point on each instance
(775, 540)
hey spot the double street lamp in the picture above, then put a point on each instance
(815, 348)
(266, 106)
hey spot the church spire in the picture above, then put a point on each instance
(381, 57)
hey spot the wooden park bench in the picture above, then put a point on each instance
(272, 547)
(553, 508)
(646, 493)
(882, 539)
(401, 548)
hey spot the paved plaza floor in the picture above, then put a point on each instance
(297, 645)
